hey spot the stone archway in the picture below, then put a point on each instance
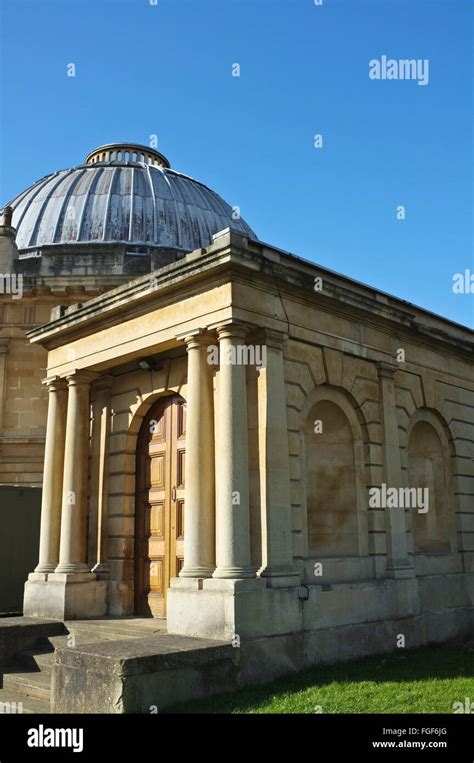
(126, 425)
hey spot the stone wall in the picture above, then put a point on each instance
(447, 401)
(23, 398)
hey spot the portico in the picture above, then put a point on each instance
(79, 576)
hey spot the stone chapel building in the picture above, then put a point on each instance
(251, 448)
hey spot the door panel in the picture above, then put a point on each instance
(178, 478)
(159, 521)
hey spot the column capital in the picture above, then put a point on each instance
(272, 338)
(232, 330)
(54, 383)
(4, 344)
(386, 370)
(81, 377)
(197, 338)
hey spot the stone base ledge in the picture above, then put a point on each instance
(71, 577)
(223, 609)
(232, 585)
(148, 675)
(186, 584)
(62, 577)
(292, 580)
(400, 570)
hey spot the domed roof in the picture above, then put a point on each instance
(124, 193)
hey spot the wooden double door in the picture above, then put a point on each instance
(159, 513)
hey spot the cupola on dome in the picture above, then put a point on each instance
(122, 194)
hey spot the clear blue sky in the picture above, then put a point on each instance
(166, 70)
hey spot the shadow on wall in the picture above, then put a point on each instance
(20, 512)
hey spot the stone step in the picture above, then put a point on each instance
(22, 681)
(12, 702)
(35, 660)
(89, 635)
(115, 630)
(27, 679)
(134, 675)
(18, 634)
(57, 642)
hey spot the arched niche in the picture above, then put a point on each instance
(334, 476)
(430, 467)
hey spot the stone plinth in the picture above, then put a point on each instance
(60, 596)
(225, 609)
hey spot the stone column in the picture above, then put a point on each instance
(233, 520)
(99, 483)
(398, 563)
(277, 547)
(73, 547)
(199, 512)
(53, 475)
(71, 591)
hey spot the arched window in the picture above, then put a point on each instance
(428, 465)
(336, 519)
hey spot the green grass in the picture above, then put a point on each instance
(425, 680)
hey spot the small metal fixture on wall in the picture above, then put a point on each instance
(149, 364)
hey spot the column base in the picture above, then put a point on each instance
(45, 569)
(72, 569)
(401, 568)
(234, 573)
(196, 572)
(59, 596)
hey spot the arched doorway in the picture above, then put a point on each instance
(159, 507)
